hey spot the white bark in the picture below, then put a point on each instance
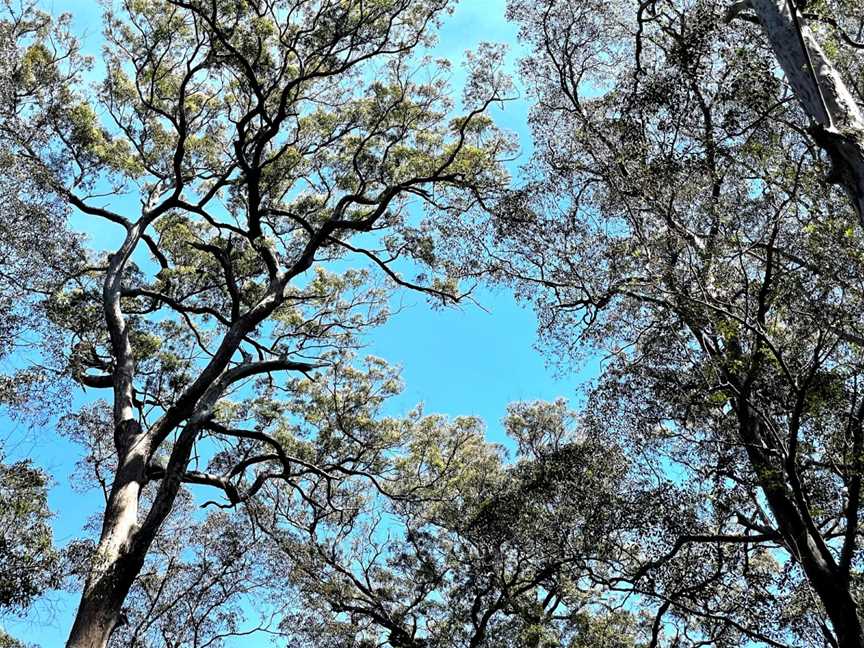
(838, 122)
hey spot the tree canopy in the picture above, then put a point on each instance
(266, 175)
(680, 215)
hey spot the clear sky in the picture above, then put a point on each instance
(459, 362)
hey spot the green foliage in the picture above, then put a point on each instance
(675, 219)
(472, 549)
(612, 630)
(7, 641)
(29, 564)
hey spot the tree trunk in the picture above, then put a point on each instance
(800, 534)
(837, 121)
(124, 543)
(118, 558)
(830, 585)
(838, 128)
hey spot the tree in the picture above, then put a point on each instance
(677, 218)
(233, 145)
(29, 564)
(476, 551)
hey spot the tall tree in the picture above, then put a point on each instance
(232, 145)
(677, 217)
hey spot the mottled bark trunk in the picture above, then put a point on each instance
(100, 609)
(118, 557)
(838, 123)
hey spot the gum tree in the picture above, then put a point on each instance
(228, 148)
(676, 216)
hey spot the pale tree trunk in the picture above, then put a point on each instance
(837, 120)
(117, 560)
(124, 542)
(119, 556)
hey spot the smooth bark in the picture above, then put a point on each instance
(837, 123)
(117, 559)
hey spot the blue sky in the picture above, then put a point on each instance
(460, 362)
